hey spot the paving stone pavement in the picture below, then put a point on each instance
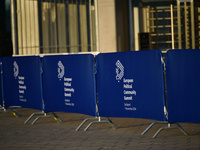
(47, 134)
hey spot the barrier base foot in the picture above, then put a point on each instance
(58, 119)
(83, 122)
(35, 113)
(151, 125)
(164, 128)
(99, 121)
(2, 109)
(15, 112)
(104, 121)
(43, 114)
(36, 119)
(171, 127)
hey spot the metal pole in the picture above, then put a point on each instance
(172, 25)
(26, 28)
(56, 27)
(192, 24)
(179, 25)
(97, 24)
(186, 27)
(14, 26)
(131, 25)
(90, 17)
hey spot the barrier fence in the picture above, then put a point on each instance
(1, 87)
(131, 85)
(22, 82)
(69, 83)
(125, 84)
(183, 85)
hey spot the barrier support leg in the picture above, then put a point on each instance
(36, 119)
(58, 119)
(156, 122)
(15, 112)
(182, 129)
(171, 127)
(35, 113)
(84, 122)
(115, 126)
(101, 121)
(45, 115)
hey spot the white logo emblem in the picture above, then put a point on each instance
(119, 70)
(61, 70)
(15, 69)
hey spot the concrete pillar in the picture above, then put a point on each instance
(107, 26)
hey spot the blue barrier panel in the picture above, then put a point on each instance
(69, 83)
(183, 85)
(1, 96)
(131, 84)
(22, 82)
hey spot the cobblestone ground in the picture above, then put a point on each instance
(47, 134)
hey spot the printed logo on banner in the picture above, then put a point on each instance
(128, 91)
(61, 70)
(67, 83)
(21, 82)
(15, 69)
(119, 70)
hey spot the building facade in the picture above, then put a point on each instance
(72, 26)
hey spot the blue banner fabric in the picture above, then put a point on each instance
(183, 85)
(22, 82)
(131, 84)
(1, 88)
(69, 83)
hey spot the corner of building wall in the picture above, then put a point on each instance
(107, 26)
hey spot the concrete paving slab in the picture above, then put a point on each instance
(47, 134)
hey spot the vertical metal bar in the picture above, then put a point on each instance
(89, 26)
(136, 29)
(179, 25)
(67, 25)
(149, 25)
(186, 26)
(172, 25)
(14, 27)
(192, 24)
(34, 28)
(57, 9)
(20, 4)
(79, 26)
(74, 22)
(65, 46)
(25, 20)
(51, 35)
(30, 29)
(145, 19)
(56, 26)
(156, 22)
(97, 24)
(148, 19)
(39, 3)
(131, 25)
(75, 18)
